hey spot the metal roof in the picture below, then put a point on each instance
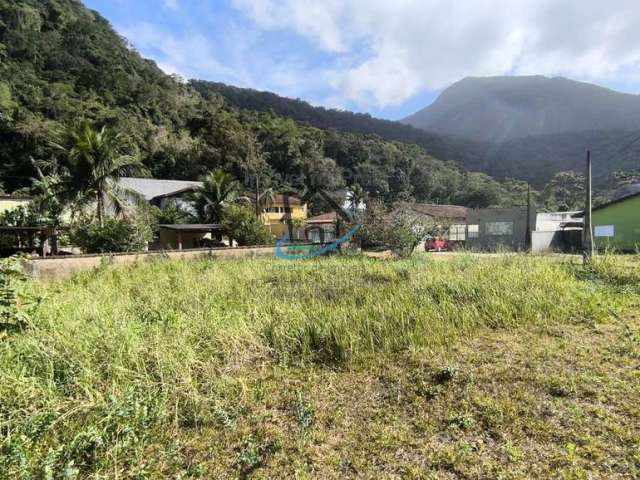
(436, 211)
(193, 227)
(619, 199)
(14, 197)
(277, 200)
(324, 218)
(151, 188)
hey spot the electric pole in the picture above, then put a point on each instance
(587, 230)
(528, 240)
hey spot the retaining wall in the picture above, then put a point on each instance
(63, 267)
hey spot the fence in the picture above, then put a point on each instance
(64, 267)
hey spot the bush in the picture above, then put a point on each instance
(241, 224)
(397, 230)
(113, 236)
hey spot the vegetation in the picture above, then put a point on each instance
(93, 162)
(112, 235)
(63, 62)
(497, 367)
(218, 189)
(241, 224)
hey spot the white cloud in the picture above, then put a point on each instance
(189, 55)
(405, 46)
(234, 57)
(171, 4)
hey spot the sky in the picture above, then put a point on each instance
(389, 58)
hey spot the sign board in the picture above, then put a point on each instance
(499, 228)
(604, 231)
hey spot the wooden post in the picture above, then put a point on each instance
(528, 241)
(257, 196)
(587, 230)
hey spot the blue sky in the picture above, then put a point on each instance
(386, 58)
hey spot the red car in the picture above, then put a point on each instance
(436, 245)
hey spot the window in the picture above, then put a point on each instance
(457, 233)
(473, 231)
(499, 228)
(604, 231)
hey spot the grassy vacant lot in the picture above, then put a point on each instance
(512, 367)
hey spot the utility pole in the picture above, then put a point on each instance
(257, 195)
(587, 230)
(528, 240)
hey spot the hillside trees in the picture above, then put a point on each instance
(60, 63)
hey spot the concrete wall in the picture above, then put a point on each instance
(499, 228)
(64, 267)
(7, 204)
(568, 241)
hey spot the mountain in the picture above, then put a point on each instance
(500, 109)
(533, 127)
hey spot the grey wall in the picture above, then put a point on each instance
(499, 228)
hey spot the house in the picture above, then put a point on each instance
(11, 202)
(284, 210)
(617, 224)
(322, 228)
(187, 236)
(453, 217)
(496, 228)
(160, 192)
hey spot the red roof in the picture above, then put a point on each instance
(330, 217)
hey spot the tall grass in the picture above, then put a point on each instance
(114, 362)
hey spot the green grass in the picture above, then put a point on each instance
(315, 369)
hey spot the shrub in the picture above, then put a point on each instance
(397, 230)
(241, 224)
(113, 236)
(12, 277)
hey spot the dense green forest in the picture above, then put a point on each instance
(61, 63)
(535, 159)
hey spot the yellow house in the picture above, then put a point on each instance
(11, 202)
(284, 209)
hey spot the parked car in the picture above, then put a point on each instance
(436, 245)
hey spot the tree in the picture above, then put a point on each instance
(356, 197)
(218, 190)
(241, 225)
(565, 192)
(93, 163)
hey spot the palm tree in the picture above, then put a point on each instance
(218, 189)
(266, 199)
(357, 196)
(94, 162)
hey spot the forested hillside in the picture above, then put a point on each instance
(62, 63)
(438, 145)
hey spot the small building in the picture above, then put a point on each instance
(452, 217)
(322, 228)
(285, 209)
(161, 192)
(189, 236)
(11, 202)
(557, 231)
(498, 228)
(617, 224)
